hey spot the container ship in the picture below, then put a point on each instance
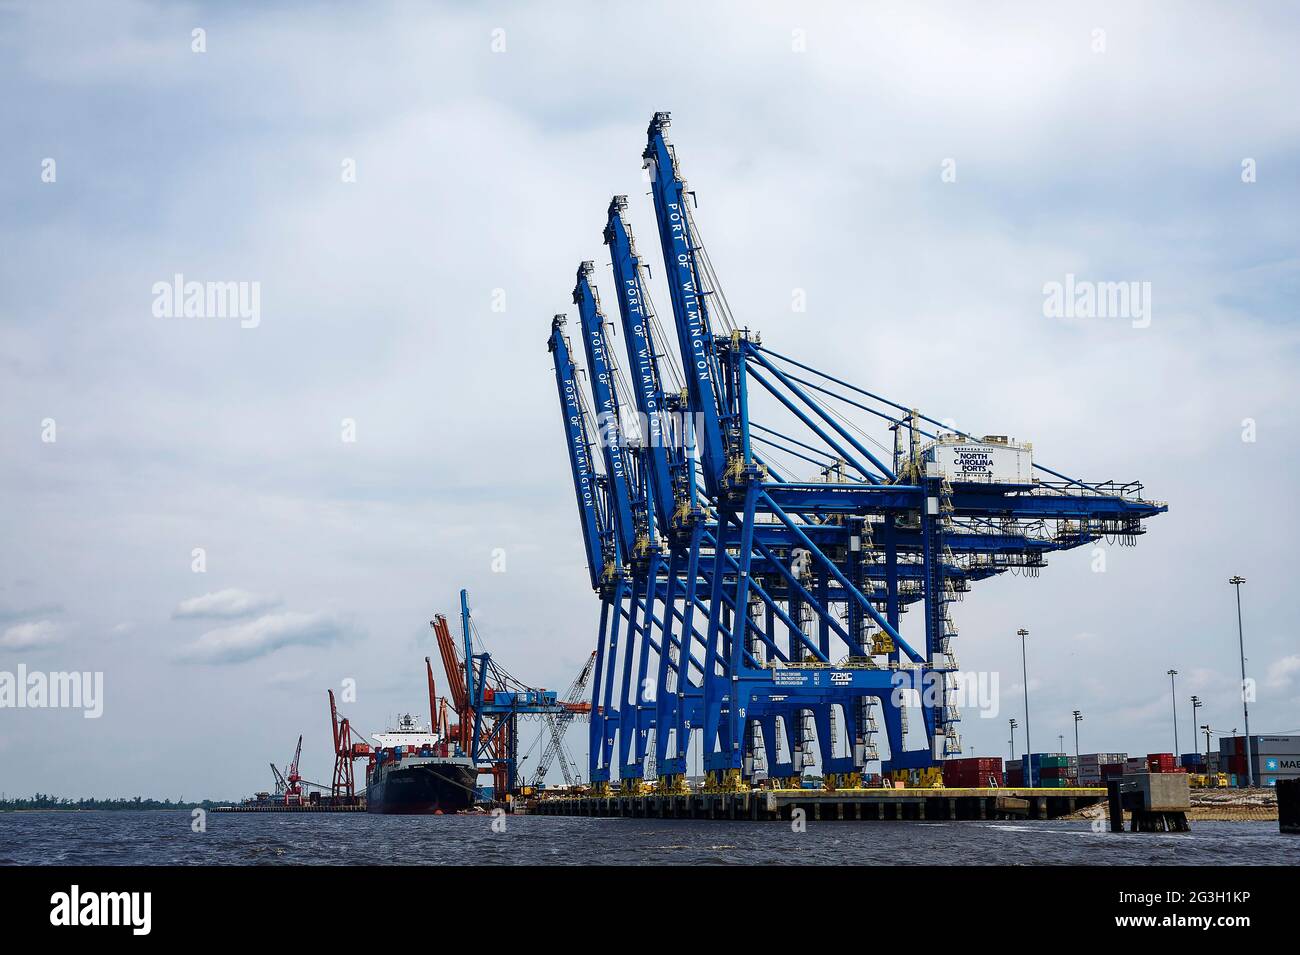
(416, 771)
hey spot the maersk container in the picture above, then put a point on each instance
(1279, 765)
(995, 459)
(1276, 745)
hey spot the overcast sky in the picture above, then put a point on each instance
(816, 142)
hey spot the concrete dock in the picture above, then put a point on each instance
(825, 805)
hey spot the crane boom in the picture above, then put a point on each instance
(690, 311)
(605, 401)
(454, 669)
(585, 483)
(652, 401)
(557, 723)
(574, 693)
(433, 698)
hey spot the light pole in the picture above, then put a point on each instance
(1196, 705)
(1078, 718)
(1024, 675)
(1014, 724)
(1206, 727)
(1174, 699)
(1237, 580)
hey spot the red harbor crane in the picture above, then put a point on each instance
(347, 748)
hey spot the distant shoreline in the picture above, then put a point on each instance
(185, 808)
(105, 805)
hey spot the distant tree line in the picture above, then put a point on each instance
(121, 804)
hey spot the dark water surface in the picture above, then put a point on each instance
(165, 838)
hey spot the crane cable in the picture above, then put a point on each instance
(709, 276)
(660, 339)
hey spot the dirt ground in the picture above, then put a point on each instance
(1215, 805)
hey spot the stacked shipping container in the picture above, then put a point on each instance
(1015, 775)
(1271, 758)
(1192, 762)
(973, 772)
(1050, 770)
(1163, 763)
(1093, 766)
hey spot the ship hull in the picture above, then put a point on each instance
(423, 789)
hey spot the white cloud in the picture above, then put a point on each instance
(30, 636)
(1281, 672)
(225, 604)
(256, 638)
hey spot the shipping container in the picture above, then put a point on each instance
(1233, 746)
(973, 779)
(1100, 758)
(1048, 759)
(1274, 745)
(1281, 767)
(974, 762)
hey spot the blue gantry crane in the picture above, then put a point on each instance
(753, 568)
(493, 704)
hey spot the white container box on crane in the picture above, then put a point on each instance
(993, 459)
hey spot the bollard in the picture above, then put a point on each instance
(1115, 805)
(1288, 805)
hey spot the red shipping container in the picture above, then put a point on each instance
(972, 771)
(974, 762)
(1162, 762)
(972, 779)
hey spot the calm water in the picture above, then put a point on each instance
(164, 838)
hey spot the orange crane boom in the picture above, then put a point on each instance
(452, 665)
